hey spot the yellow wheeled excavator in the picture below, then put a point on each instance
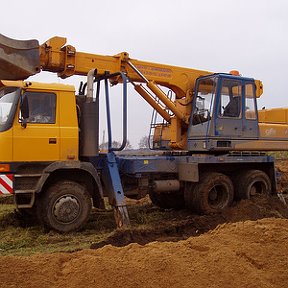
(211, 135)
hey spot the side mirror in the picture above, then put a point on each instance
(24, 108)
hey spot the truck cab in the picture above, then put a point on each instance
(224, 113)
(41, 159)
(36, 136)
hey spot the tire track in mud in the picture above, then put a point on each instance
(183, 224)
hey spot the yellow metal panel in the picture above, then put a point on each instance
(275, 131)
(11, 83)
(259, 88)
(69, 144)
(6, 146)
(69, 131)
(37, 85)
(272, 137)
(275, 115)
(162, 133)
(262, 145)
(48, 86)
(36, 142)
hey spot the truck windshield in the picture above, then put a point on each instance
(203, 107)
(8, 103)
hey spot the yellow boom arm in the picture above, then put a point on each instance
(20, 59)
(66, 61)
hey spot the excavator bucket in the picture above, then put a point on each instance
(19, 59)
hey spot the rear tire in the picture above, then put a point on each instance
(252, 183)
(65, 206)
(213, 193)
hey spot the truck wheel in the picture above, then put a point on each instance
(166, 200)
(65, 206)
(213, 193)
(252, 183)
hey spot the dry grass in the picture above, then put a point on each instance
(19, 238)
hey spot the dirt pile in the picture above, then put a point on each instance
(242, 254)
(182, 224)
(237, 253)
(282, 168)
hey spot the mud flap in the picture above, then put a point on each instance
(114, 188)
(19, 59)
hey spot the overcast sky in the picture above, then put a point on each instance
(218, 36)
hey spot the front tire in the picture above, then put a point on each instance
(65, 206)
(213, 193)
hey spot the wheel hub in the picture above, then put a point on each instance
(253, 191)
(216, 196)
(66, 209)
(213, 195)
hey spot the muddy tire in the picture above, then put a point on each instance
(172, 200)
(65, 206)
(252, 183)
(213, 193)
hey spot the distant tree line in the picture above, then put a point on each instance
(143, 144)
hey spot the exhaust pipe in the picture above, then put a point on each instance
(89, 122)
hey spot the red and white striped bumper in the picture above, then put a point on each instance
(6, 184)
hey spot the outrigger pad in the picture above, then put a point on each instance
(19, 59)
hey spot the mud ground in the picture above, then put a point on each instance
(245, 246)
